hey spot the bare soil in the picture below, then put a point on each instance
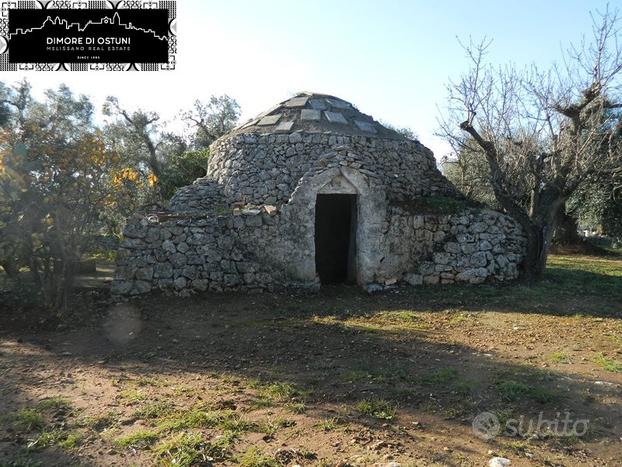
(334, 378)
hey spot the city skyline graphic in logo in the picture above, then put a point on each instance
(115, 38)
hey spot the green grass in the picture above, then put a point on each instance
(186, 449)
(22, 459)
(592, 283)
(459, 318)
(328, 424)
(271, 426)
(138, 440)
(226, 420)
(608, 364)
(56, 437)
(253, 457)
(100, 422)
(154, 410)
(381, 321)
(441, 376)
(296, 407)
(377, 408)
(279, 393)
(584, 276)
(54, 403)
(512, 391)
(559, 357)
(28, 420)
(131, 396)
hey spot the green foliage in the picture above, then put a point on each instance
(611, 218)
(58, 175)
(211, 120)
(182, 169)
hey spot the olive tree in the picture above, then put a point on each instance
(543, 133)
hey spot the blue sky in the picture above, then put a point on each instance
(391, 58)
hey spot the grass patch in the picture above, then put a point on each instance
(512, 391)
(608, 364)
(271, 426)
(459, 318)
(559, 357)
(296, 407)
(277, 393)
(377, 408)
(186, 449)
(138, 440)
(226, 420)
(441, 376)
(101, 422)
(27, 420)
(131, 396)
(22, 459)
(375, 375)
(329, 424)
(54, 403)
(56, 437)
(253, 457)
(154, 410)
(380, 321)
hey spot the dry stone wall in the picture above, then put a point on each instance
(472, 246)
(265, 169)
(253, 250)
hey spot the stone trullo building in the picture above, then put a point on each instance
(314, 192)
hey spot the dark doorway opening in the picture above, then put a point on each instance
(335, 238)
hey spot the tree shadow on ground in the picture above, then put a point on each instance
(313, 343)
(328, 346)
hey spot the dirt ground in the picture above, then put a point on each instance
(333, 378)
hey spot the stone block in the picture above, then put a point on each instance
(431, 279)
(141, 287)
(180, 282)
(163, 270)
(144, 273)
(478, 259)
(414, 279)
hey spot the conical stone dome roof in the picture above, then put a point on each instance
(264, 160)
(316, 113)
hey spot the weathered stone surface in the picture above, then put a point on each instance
(168, 246)
(144, 274)
(141, 287)
(250, 222)
(180, 282)
(163, 270)
(335, 117)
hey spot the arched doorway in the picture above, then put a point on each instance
(335, 237)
